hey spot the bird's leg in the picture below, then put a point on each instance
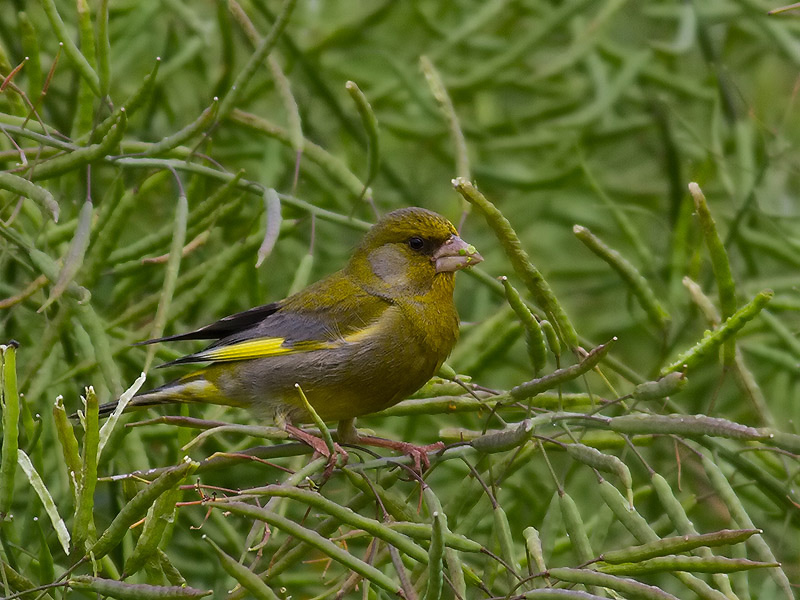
(348, 434)
(346, 431)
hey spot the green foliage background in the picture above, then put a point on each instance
(576, 112)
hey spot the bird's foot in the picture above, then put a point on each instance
(348, 434)
(320, 447)
(419, 454)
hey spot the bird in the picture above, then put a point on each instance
(356, 342)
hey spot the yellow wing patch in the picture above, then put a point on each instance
(266, 347)
(258, 348)
(363, 334)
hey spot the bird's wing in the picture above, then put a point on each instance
(326, 315)
(224, 327)
(248, 349)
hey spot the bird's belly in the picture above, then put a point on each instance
(340, 383)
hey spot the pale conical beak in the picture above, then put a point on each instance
(455, 254)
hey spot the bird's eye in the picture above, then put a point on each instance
(416, 243)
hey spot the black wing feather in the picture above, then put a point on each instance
(294, 326)
(224, 327)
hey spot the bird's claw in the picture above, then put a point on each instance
(419, 454)
(320, 447)
(333, 458)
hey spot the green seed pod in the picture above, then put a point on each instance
(30, 47)
(638, 284)
(314, 539)
(83, 67)
(556, 378)
(505, 439)
(69, 443)
(641, 530)
(551, 337)
(435, 556)
(159, 516)
(667, 385)
(677, 544)
(9, 396)
(83, 523)
(23, 187)
(196, 127)
(677, 515)
(439, 91)
(719, 261)
(606, 463)
(74, 257)
(246, 578)
(628, 587)
(138, 506)
(712, 340)
(77, 159)
(370, 123)
(289, 105)
(534, 337)
(697, 564)
(503, 532)
(422, 531)
(756, 543)
(455, 569)
(256, 59)
(533, 544)
(529, 274)
(134, 102)
(688, 425)
(302, 274)
(630, 519)
(133, 591)
(575, 527)
(380, 530)
(447, 372)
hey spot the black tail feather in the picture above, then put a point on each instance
(135, 404)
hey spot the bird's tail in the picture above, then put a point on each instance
(192, 388)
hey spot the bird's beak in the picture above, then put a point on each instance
(455, 254)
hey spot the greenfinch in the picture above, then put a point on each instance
(356, 342)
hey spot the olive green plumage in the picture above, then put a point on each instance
(358, 341)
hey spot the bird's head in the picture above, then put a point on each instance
(408, 249)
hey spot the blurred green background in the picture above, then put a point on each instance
(562, 113)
